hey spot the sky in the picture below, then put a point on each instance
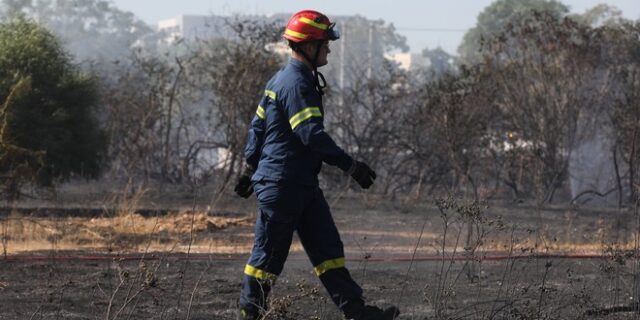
(425, 23)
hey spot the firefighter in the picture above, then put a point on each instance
(286, 146)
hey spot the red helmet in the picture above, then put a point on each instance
(309, 25)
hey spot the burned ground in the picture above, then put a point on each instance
(520, 263)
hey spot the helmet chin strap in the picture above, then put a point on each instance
(314, 64)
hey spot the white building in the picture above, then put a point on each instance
(409, 61)
(193, 27)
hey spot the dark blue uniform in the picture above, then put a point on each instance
(287, 144)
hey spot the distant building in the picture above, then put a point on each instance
(409, 61)
(192, 27)
(357, 56)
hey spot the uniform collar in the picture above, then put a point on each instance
(299, 65)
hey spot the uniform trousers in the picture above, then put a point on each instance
(282, 209)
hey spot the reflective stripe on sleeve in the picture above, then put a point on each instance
(308, 21)
(305, 114)
(259, 274)
(329, 265)
(261, 113)
(270, 94)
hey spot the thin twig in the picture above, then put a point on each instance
(113, 296)
(36, 312)
(413, 256)
(186, 263)
(195, 288)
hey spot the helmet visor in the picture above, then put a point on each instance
(332, 32)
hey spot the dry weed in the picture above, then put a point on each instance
(125, 231)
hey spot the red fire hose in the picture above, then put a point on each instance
(206, 257)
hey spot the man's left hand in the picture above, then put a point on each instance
(361, 172)
(243, 186)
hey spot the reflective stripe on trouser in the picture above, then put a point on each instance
(284, 209)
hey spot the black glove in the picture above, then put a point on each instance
(361, 172)
(244, 188)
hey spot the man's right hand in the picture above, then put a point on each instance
(361, 172)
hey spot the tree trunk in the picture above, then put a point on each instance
(632, 163)
(618, 179)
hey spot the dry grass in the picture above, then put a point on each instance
(129, 232)
(132, 232)
(126, 231)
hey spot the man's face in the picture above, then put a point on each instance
(324, 53)
(310, 50)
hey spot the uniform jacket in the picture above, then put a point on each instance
(287, 141)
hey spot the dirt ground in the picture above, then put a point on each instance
(171, 288)
(186, 262)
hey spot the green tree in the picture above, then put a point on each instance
(52, 116)
(440, 62)
(601, 15)
(92, 30)
(495, 18)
